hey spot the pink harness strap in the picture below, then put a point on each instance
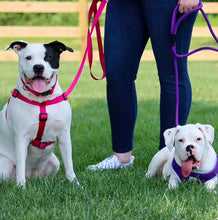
(43, 116)
(17, 94)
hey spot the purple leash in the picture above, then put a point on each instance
(174, 26)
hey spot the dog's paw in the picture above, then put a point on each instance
(210, 185)
(148, 174)
(21, 184)
(72, 178)
(173, 184)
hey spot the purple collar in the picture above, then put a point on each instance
(200, 176)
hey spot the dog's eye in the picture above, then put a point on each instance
(181, 140)
(48, 58)
(28, 58)
(199, 139)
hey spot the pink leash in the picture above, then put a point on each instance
(89, 50)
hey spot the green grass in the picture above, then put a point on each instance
(119, 194)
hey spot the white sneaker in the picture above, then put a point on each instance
(110, 163)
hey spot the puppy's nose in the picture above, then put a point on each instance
(38, 69)
(189, 148)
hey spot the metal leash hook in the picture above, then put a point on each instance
(174, 26)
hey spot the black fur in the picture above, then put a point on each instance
(53, 51)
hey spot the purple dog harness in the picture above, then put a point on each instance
(203, 177)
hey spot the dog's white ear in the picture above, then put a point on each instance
(17, 46)
(208, 132)
(169, 136)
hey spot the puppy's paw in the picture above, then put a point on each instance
(21, 184)
(210, 185)
(173, 184)
(147, 174)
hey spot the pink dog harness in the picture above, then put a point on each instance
(43, 116)
(203, 177)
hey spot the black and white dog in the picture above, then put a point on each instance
(36, 117)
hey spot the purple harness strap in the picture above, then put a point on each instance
(203, 177)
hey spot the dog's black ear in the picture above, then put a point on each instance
(17, 46)
(58, 46)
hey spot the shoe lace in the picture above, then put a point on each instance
(108, 163)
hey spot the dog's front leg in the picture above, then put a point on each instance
(65, 147)
(21, 153)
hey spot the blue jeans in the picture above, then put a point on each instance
(129, 24)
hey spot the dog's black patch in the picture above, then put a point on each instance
(53, 51)
(52, 57)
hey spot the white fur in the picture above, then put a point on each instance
(177, 139)
(18, 159)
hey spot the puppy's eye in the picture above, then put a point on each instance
(181, 140)
(199, 139)
(48, 58)
(28, 58)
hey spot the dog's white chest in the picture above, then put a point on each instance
(26, 117)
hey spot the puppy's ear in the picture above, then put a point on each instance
(169, 136)
(58, 47)
(17, 46)
(208, 132)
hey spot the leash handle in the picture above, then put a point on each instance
(93, 11)
(89, 50)
(174, 26)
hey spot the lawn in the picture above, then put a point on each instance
(120, 194)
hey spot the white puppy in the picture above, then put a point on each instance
(36, 117)
(188, 154)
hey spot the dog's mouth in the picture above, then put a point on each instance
(38, 83)
(190, 164)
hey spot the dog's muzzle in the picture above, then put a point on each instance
(38, 70)
(189, 149)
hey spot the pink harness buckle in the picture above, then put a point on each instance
(43, 116)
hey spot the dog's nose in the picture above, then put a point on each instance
(38, 69)
(189, 148)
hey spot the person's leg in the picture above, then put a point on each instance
(125, 39)
(158, 19)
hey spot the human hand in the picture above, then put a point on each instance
(187, 5)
